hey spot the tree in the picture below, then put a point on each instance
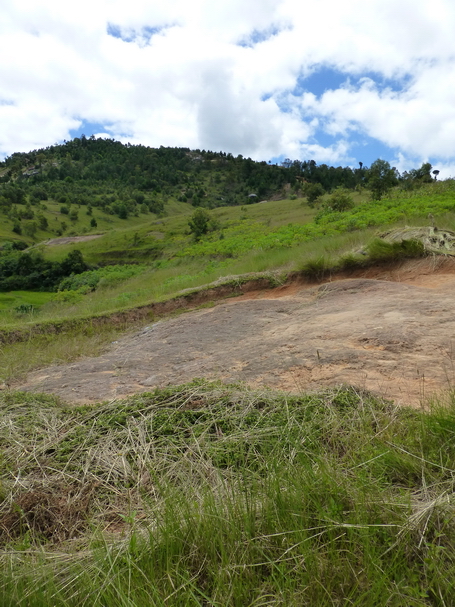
(93, 223)
(42, 222)
(73, 263)
(122, 212)
(381, 178)
(424, 173)
(30, 228)
(313, 191)
(340, 200)
(199, 223)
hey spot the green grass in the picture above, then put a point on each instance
(53, 348)
(105, 221)
(13, 299)
(207, 494)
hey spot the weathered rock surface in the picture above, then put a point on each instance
(393, 335)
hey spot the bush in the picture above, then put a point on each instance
(313, 191)
(103, 277)
(30, 271)
(38, 194)
(67, 297)
(42, 222)
(30, 228)
(350, 262)
(199, 223)
(340, 200)
(122, 212)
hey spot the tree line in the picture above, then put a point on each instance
(28, 270)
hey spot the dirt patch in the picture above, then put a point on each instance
(392, 334)
(70, 239)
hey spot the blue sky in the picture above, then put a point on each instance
(271, 79)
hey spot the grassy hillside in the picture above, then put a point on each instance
(205, 494)
(158, 258)
(213, 495)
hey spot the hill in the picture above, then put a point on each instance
(90, 183)
(223, 493)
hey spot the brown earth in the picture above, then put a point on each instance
(387, 330)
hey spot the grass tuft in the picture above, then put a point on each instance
(207, 494)
(380, 250)
(316, 269)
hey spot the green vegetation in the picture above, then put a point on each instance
(29, 270)
(15, 299)
(381, 178)
(206, 494)
(380, 250)
(213, 495)
(160, 258)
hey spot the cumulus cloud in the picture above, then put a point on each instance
(232, 75)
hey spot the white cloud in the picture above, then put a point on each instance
(192, 83)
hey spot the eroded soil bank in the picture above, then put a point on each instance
(389, 330)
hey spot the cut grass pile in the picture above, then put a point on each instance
(207, 494)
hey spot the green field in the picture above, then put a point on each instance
(14, 299)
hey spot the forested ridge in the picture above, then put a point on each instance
(124, 179)
(89, 162)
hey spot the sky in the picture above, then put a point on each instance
(336, 82)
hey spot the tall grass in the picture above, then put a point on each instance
(215, 495)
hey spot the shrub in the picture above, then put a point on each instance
(122, 212)
(313, 191)
(380, 250)
(199, 223)
(30, 228)
(42, 222)
(67, 297)
(340, 200)
(24, 309)
(350, 262)
(103, 277)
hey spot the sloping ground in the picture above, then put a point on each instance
(389, 330)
